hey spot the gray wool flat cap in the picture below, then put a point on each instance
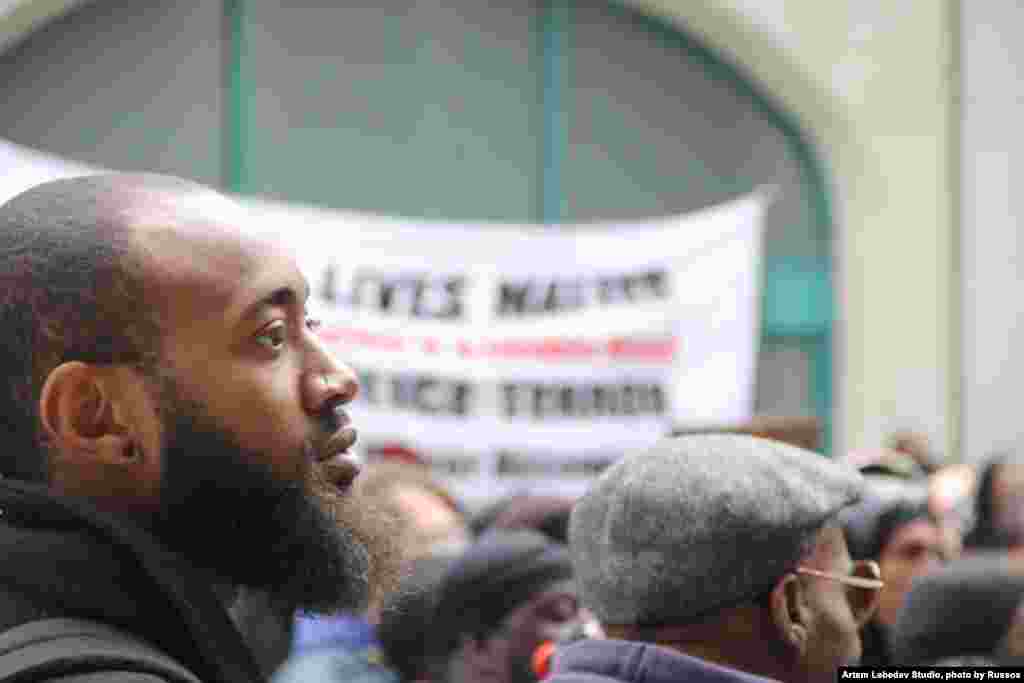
(700, 522)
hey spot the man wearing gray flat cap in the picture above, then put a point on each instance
(718, 557)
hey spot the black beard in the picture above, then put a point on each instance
(222, 507)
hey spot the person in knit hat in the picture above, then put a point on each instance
(508, 593)
(970, 608)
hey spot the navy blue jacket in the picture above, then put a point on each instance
(620, 661)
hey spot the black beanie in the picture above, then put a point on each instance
(407, 616)
(965, 608)
(499, 572)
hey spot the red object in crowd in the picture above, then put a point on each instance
(540, 662)
(395, 452)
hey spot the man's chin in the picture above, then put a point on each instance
(320, 564)
(365, 531)
(340, 551)
(287, 540)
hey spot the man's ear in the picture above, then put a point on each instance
(787, 604)
(82, 418)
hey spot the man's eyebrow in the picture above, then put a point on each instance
(282, 296)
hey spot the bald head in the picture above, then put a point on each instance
(73, 286)
(93, 200)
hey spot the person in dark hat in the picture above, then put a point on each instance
(407, 618)
(508, 593)
(895, 528)
(970, 608)
(544, 513)
(718, 557)
(999, 505)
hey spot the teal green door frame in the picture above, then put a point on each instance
(235, 93)
(555, 31)
(798, 303)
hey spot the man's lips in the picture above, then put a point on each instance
(342, 440)
(340, 466)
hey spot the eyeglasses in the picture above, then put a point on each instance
(870, 567)
(864, 583)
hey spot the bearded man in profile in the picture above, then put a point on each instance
(175, 430)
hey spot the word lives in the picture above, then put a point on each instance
(431, 296)
(415, 295)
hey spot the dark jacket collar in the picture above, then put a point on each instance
(68, 559)
(620, 660)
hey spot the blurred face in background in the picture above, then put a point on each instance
(431, 523)
(1008, 503)
(914, 549)
(1011, 649)
(548, 615)
(951, 501)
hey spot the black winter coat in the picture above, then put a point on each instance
(63, 558)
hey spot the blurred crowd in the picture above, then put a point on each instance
(490, 596)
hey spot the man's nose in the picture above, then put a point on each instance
(331, 382)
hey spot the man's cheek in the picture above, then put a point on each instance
(266, 432)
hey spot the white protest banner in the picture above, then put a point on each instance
(522, 358)
(22, 168)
